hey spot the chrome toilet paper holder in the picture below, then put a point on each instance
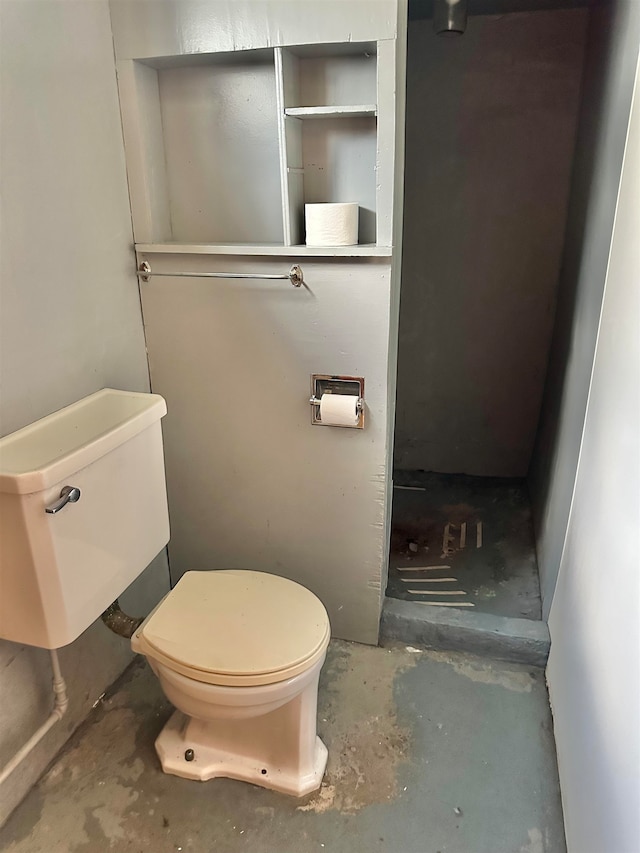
(323, 383)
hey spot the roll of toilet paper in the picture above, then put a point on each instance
(331, 224)
(338, 410)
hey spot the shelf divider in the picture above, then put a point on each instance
(290, 143)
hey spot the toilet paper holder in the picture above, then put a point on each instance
(323, 383)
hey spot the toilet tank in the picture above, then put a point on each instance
(59, 571)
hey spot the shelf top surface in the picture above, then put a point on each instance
(359, 250)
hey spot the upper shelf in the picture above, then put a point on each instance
(361, 250)
(333, 112)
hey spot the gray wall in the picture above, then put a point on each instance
(611, 56)
(491, 121)
(251, 482)
(594, 666)
(70, 315)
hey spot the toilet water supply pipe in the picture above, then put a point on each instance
(120, 623)
(60, 705)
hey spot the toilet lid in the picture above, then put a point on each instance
(222, 627)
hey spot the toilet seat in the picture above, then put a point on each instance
(236, 628)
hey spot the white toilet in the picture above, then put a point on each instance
(239, 654)
(83, 511)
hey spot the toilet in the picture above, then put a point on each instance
(237, 652)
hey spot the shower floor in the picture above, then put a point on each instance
(464, 542)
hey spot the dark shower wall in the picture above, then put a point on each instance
(491, 123)
(612, 51)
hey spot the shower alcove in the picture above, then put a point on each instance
(492, 119)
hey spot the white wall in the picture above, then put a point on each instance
(612, 49)
(491, 120)
(594, 666)
(70, 316)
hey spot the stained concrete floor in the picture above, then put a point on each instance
(491, 561)
(427, 752)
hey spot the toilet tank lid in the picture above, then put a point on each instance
(57, 446)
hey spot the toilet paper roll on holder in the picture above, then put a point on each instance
(323, 383)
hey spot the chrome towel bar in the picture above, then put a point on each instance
(294, 275)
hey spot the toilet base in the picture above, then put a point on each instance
(183, 733)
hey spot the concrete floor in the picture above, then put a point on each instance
(495, 574)
(428, 751)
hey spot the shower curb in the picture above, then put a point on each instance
(499, 637)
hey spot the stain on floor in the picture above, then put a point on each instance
(478, 529)
(368, 745)
(428, 752)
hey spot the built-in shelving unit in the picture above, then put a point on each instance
(224, 150)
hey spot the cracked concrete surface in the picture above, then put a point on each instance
(428, 752)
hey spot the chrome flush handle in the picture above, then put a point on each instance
(68, 494)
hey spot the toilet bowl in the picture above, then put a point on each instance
(239, 654)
